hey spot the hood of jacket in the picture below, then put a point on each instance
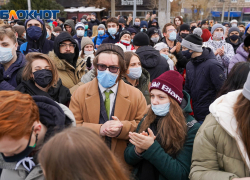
(222, 110)
(185, 104)
(149, 56)
(70, 23)
(206, 54)
(242, 52)
(103, 36)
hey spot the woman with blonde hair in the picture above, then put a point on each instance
(94, 31)
(79, 154)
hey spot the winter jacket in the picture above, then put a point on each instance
(218, 151)
(55, 117)
(70, 23)
(89, 76)
(240, 56)
(130, 106)
(204, 78)
(152, 61)
(142, 85)
(245, 35)
(136, 28)
(110, 39)
(10, 75)
(235, 45)
(93, 23)
(59, 93)
(169, 168)
(79, 40)
(228, 52)
(98, 39)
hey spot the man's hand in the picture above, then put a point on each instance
(153, 17)
(147, 17)
(173, 49)
(111, 128)
(178, 47)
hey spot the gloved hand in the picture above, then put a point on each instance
(89, 64)
(1, 75)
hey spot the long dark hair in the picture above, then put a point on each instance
(236, 78)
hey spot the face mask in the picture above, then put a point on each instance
(165, 56)
(134, 73)
(47, 35)
(5, 55)
(86, 26)
(234, 25)
(218, 35)
(24, 36)
(21, 155)
(34, 32)
(161, 109)
(88, 52)
(92, 19)
(187, 54)
(155, 39)
(183, 35)
(126, 43)
(80, 33)
(143, 30)
(112, 31)
(69, 57)
(106, 78)
(100, 32)
(234, 37)
(56, 34)
(43, 77)
(137, 23)
(172, 36)
(241, 34)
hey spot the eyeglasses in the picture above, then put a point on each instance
(171, 30)
(71, 46)
(103, 67)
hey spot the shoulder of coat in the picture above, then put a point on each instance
(58, 62)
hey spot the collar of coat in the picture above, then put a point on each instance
(222, 110)
(62, 64)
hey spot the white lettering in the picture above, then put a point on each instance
(169, 90)
(154, 84)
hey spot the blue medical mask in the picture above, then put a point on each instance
(135, 73)
(5, 55)
(172, 36)
(165, 56)
(112, 31)
(47, 35)
(34, 32)
(161, 109)
(125, 42)
(100, 32)
(106, 78)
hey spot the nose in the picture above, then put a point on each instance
(154, 101)
(67, 47)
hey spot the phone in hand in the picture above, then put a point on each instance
(154, 11)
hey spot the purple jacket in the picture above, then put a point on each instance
(240, 56)
(9, 82)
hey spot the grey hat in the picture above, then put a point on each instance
(193, 41)
(101, 26)
(215, 27)
(233, 29)
(246, 88)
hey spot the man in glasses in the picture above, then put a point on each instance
(107, 104)
(65, 57)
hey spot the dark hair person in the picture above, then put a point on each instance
(79, 154)
(161, 147)
(236, 78)
(222, 145)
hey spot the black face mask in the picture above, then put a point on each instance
(234, 37)
(183, 35)
(43, 77)
(187, 54)
(69, 57)
(22, 154)
(241, 34)
(192, 28)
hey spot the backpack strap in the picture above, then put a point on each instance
(191, 124)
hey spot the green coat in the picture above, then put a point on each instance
(169, 168)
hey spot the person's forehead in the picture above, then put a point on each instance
(108, 59)
(234, 32)
(40, 62)
(33, 21)
(6, 39)
(66, 42)
(170, 27)
(111, 24)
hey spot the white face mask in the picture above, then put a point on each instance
(80, 33)
(88, 52)
(218, 35)
(234, 25)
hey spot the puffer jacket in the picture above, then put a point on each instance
(240, 56)
(98, 39)
(228, 52)
(218, 152)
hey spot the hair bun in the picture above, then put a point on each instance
(197, 31)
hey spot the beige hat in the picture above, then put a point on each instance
(85, 41)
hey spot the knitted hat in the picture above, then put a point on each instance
(20, 30)
(160, 46)
(247, 41)
(246, 88)
(144, 24)
(38, 19)
(233, 29)
(141, 39)
(85, 41)
(58, 29)
(101, 26)
(104, 17)
(215, 27)
(110, 47)
(204, 22)
(84, 21)
(62, 19)
(79, 24)
(122, 20)
(84, 17)
(184, 27)
(122, 33)
(206, 35)
(234, 21)
(193, 41)
(152, 30)
(131, 30)
(93, 14)
(171, 83)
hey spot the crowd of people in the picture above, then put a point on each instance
(123, 99)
